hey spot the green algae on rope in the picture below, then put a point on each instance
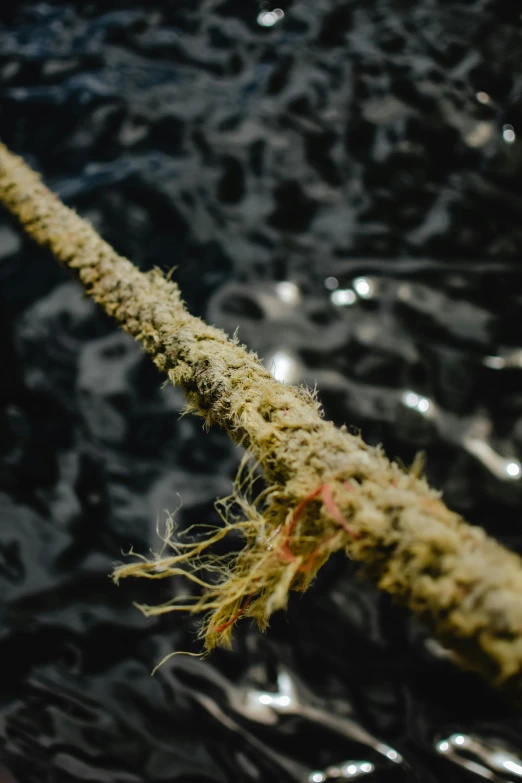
(326, 490)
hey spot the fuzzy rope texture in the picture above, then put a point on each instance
(325, 490)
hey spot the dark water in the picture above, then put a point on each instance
(344, 185)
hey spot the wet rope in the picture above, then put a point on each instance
(326, 490)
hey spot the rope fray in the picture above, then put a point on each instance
(282, 551)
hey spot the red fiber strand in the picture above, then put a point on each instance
(301, 507)
(224, 626)
(334, 511)
(330, 505)
(285, 548)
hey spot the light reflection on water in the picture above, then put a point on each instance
(485, 758)
(270, 18)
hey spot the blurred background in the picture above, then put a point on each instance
(341, 181)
